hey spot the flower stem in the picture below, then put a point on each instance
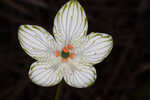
(59, 90)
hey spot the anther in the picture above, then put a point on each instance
(57, 53)
(64, 60)
(65, 49)
(69, 46)
(72, 55)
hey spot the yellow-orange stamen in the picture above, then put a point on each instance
(65, 49)
(72, 55)
(57, 53)
(64, 60)
(69, 46)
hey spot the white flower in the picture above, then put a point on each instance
(70, 55)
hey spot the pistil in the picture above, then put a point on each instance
(65, 54)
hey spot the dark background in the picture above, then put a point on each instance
(124, 75)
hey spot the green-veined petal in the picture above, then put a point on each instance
(45, 74)
(78, 74)
(97, 47)
(70, 23)
(36, 41)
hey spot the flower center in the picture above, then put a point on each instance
(66, 53)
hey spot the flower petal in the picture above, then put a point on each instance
(45, 74)
(97, 47)
(70, 23)
(36, 41)
(79, 75)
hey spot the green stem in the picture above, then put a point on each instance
(59, 90)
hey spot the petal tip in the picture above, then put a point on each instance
(91, 84)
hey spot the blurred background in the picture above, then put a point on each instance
(124, 75)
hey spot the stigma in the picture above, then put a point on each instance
(65, 53)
